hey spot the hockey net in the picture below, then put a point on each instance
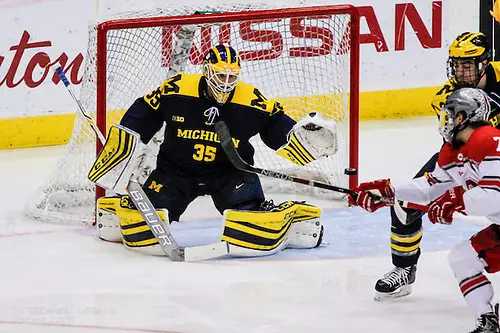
(305, 58)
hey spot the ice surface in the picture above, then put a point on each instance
(62, 279)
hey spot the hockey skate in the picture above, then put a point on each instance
(488, 322)
(396, 283)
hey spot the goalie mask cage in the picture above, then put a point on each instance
(306, 58)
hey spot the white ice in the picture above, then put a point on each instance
(62, 279)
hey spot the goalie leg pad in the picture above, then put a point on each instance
(257, 233)
(261, 233)
(127, 225)
(118, 159)
(307, 229)
(108, 223)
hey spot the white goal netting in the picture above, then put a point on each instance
(302, 59)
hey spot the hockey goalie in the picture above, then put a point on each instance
(191, 161)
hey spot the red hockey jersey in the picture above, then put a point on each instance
(475, 166)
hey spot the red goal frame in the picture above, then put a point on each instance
(104, 27)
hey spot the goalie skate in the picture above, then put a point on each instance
(396, 283)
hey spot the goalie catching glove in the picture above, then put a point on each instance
(309, 139)
(119, 158)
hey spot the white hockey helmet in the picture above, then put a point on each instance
(473, 104)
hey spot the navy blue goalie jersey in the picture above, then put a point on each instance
(191, 147)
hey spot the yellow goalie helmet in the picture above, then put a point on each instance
(468, 55)
(221, 68)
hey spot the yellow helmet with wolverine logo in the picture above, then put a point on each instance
(221, 69)
(466, 57)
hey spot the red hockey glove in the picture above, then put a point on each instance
(441, 210)
(366, 192)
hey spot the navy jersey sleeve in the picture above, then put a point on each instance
(492, 88)
(143, 119)
(274, 133)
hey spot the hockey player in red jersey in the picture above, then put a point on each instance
(466, 179)
(469, 65)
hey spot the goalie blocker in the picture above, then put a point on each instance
(119, 158)
(246, 233)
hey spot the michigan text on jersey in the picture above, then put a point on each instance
(197, 134)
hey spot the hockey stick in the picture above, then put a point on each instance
(236, 160)
(84, 113)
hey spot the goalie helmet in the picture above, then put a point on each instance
(466, 57)
(471, 103)
(221, 68)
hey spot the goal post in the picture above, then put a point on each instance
(306, 58)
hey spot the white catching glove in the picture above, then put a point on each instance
(311, 138)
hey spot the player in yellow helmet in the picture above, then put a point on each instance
(469, 57)
(221, 69)
(469, 65)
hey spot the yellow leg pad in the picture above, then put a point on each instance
(257, 233)
(134, 230)
(306, 212)
(258, 230)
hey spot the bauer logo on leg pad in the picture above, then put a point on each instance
(159, 229)
(136, 232)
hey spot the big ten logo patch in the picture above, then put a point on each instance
(177, 119)
(155, 186)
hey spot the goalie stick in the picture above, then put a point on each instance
(236, 160)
